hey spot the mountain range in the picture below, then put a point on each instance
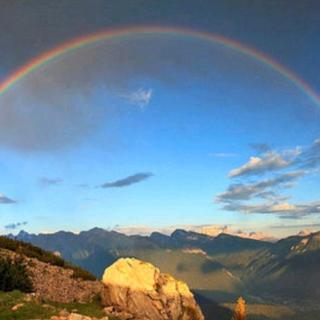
(221, 267)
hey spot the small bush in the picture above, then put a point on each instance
(13, 276)
(30, 251)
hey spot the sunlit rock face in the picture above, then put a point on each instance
(142, 290)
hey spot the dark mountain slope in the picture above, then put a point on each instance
(223, 243)
(93, 250)
(290, 269)
(96, 248)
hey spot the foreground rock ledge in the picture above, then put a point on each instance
(142, 290)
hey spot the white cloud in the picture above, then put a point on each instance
(305, 160)
(283, 210)
(257, 165)
(140, 97)
(262, 189)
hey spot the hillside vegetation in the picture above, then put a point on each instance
(32, 251)
(13, 275)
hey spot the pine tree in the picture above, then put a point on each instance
(240, 310)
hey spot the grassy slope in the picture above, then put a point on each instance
(34, 310)
(31, 251)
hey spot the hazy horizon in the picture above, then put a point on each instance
(206, 229)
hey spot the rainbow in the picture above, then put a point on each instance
(85, 40)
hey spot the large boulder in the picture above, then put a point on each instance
(142, 290)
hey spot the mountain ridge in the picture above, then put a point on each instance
(224, 263)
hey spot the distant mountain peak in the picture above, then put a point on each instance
(226, 236)
(189, 235)
(23, 235)
(95, 230)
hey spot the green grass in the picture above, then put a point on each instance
(93, 309)
(30, 310)
(33, 310)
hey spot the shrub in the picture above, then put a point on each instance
(13, 275)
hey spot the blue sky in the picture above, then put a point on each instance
(160, 131)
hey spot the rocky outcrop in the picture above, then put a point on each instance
(142, 290)
(56, 284)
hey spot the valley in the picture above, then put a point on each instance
(278, 280)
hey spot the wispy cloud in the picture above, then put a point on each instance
(140, 97)
(283, 210)
(13, 226)
(260, 189)
(136, 178)
(309, 158)
(241, 197)
(270, 161)
(46, 182)
(5, 200)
